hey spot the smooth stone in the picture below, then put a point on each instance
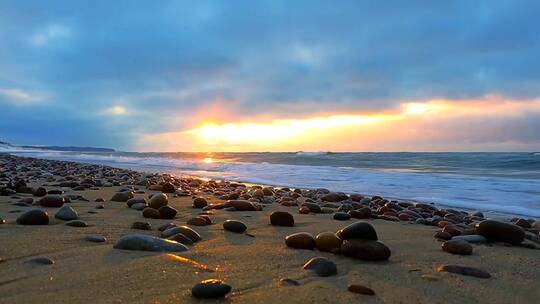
(151, 213)
(281, 218)
(96, 238)
(158, 200)
(200, 202)
(66, 213)
(356, 288)
(33, 217)
(180, 238)
(42, 261)
(242, 205)
(313, 207)
(167, 212)
(328, 241)
(122, 197)
(365, 250)
(40, 192)
(168, 188)
(77, 223)
(139, 206)
(210, 289)
(141, 226)
(464, 270)
(342, 216)
(185, 230)
(288, 282)
(197, 221)
(144, 242)
(300, 240)
(457, 247)
(54, 201)
(441, 235)
(495, 231)
(323, 267)
(358, 230)
(471, 238)
(135, 200)
(234, 226)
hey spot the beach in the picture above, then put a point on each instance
(252, 263)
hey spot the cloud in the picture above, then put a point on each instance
(19, 97)
(49, 34)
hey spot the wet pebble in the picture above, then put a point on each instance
(94, 238)
(200, 202)
(358, 230)
(33, 217)
(158, 200)
(151, 213)
(197, 221)
(66, 213)
(185, 230)
(77, 223)
(167, 212)
(457, 247)
(181, 238)
(499, 231)
(464, 270)
(365, 250)
(234, 226)
(144, 242)
(342, 216)
(141, 226)
(210, 289)
(356, 288)
(54, 201)
(300, 240)
(322, 266)
(281, 218)
(288, 282)
(328, 241)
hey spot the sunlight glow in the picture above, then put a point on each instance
(208, 160)
(117, 111)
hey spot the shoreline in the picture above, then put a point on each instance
(255, 263)
(494, 214)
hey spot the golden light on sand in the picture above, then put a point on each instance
(189, 262)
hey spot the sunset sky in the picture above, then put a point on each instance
(271, 75)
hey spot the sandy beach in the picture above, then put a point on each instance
(252, 264)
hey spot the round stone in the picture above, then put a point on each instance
(168, 188)
(158, 200)
(323, 267)
(328, 241)
(300, 240)
(40, 192)
(148, 243)
(141, 226)
(358, 230)
(96, 238)
(77, 223)
(54, 201)
(281, 218)
(167, 212)
(210, 289)
(200, 202)
(234, 226)
(498, 231)
(122, 197)
(66, 213)
(33, 217)
(365, 250)
(185, 230)
(151, 213)
(457, 247)
(197, 221)
(181, 238)
(342, 216)
(356, 288)
(136, 200)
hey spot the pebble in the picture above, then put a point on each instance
(358, 230)
(96, 238)
(139, 206)
(197, 221)
(141, 226)
(66, 213)
(464, 270)
(242, 205)
(323, 267)
(180, 238)
(77, 223)
(288, 282)
(158, 200)
(33, 217)
(135, 200)
(122, 196)
(441, 235)
(54, 201)
(499, 231)
(471, 238)
(40, 192)
(300, 240)
(342, 216)
(234, 226)
(328, 241)
(281, 218)
(168, 188)
(356, 288)
(200, 202)
(210, 289)
(365, 250)
(457, 247)
(185, 230)
(167, 212)
(42, 261)
(303, 210)
(144, 242)
(151, 213)
(313, 207)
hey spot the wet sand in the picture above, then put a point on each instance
(252, 265)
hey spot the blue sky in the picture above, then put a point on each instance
(106, 73)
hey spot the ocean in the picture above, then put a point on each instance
(501, 183)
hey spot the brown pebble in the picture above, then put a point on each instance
(355, 288)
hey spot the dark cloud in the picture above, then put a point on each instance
(165, 58)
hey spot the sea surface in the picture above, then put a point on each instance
(502, 183)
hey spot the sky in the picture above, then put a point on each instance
(271, 75)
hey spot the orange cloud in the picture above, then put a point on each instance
(414, 126)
